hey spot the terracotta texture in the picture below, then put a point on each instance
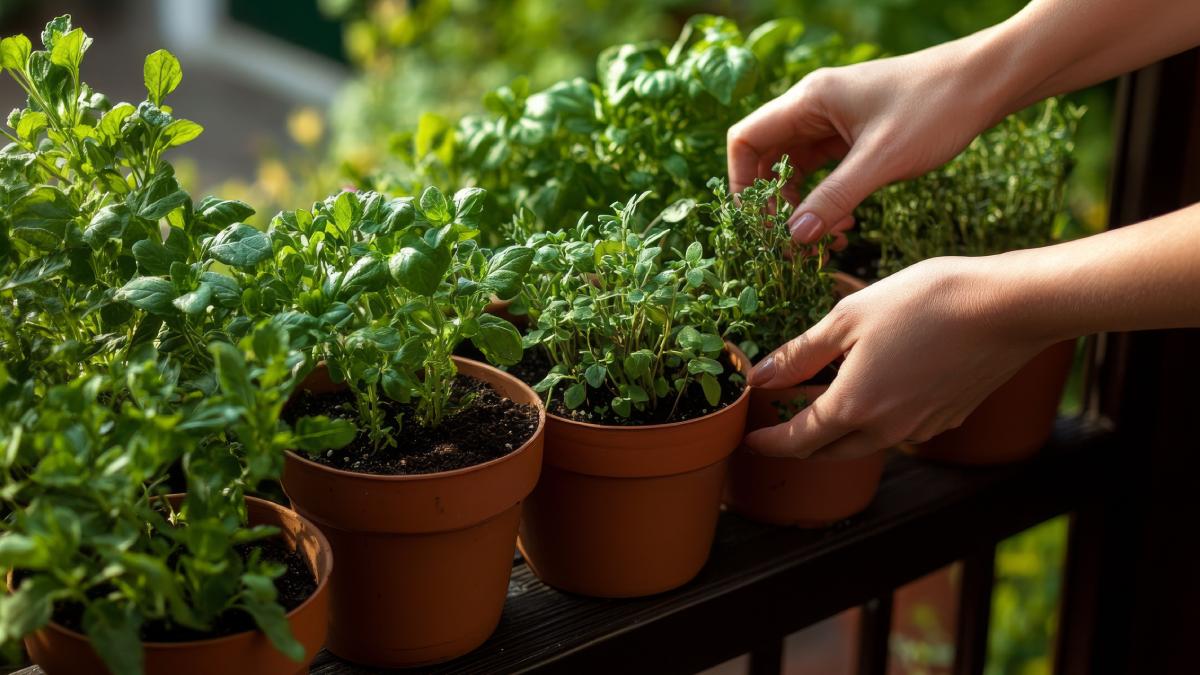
(629, 511)
(812, 492)
(423, 560)
(60, 651)
(1013, 423)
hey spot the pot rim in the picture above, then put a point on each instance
(322, 584)
(458, 362)
(734, 352)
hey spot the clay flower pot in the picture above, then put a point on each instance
(627, 511)
(811, 492)
(1012, 423)
(60, 651)
(423, 560)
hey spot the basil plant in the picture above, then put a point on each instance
(383, 291)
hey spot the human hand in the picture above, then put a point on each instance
(885, 120)
(923, 349)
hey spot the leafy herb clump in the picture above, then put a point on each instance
(783, 288)
(127, 371)
(384, 290)
(1006, 191)
(627, 325)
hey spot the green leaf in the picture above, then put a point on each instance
(622, 406)
(689, 338)
(110, 123)
(14, 52)
(158, 196)
(240, 245)
(28, 608)
(638, 363)
(41, 216)
(420, 267)
(69, 48)
(774, 36)
(635, 393)
(704, 364)
(695, 251)
(498, 340)
(220, 213)
(507, 270)
(36, 271)
(314, 434)
(748, 300)
(54, 28)
(259, 602)
(162, 74)
(113, 633)
(726, 71)
(195, 302)
(434, 206)
(150, 294)
(180, 132)
(23, 552)
(595, 375)
(345, 210)
(695, 277)
(226, 291)
(154, 258)
(232, 376)
(468, 206)
(368, 274)
(109, 223)
(712, 389)
(575, 395)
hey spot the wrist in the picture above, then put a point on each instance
(1023, 296)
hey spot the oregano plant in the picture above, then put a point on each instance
(628, 326)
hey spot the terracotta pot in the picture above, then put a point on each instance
(1013, 423)
(810, 492)
(423, 560)
(60, 651)
(627, 511)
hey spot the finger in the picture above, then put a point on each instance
(851, 446)
(839, 238)
(800, 358)
(835, 198)
(750, 140)
(811, 429)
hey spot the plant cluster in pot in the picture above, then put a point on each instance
(126, 375)
(422, 505)
(1006, 191)
(110, 573)
(645, 402)
(792, 290)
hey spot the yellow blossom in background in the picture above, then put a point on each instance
(274, 180)
(306, 126)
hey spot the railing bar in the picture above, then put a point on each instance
(974, 611)
(874, 635)
(767, 659)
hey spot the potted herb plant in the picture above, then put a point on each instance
(646, 401)
(120, 384)
(1006, 191)
(792, 290)
(111, 573)
(422, 505)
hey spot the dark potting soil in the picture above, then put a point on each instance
(292, 588)
(534, 366)
(486, 427)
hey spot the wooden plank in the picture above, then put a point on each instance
(874, 635)
(974, 610)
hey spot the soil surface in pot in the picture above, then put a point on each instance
(292, 588)
(860, 258)
(533, 368)
(488, 426)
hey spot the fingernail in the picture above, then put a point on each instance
(806, 227)
(763, 372)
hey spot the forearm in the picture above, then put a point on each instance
(1056, 46)
(1138, 277)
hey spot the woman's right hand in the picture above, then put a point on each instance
(886, 120)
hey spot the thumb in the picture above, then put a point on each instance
(800, 358)
(834, 199)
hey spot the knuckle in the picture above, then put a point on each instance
(838, 194)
